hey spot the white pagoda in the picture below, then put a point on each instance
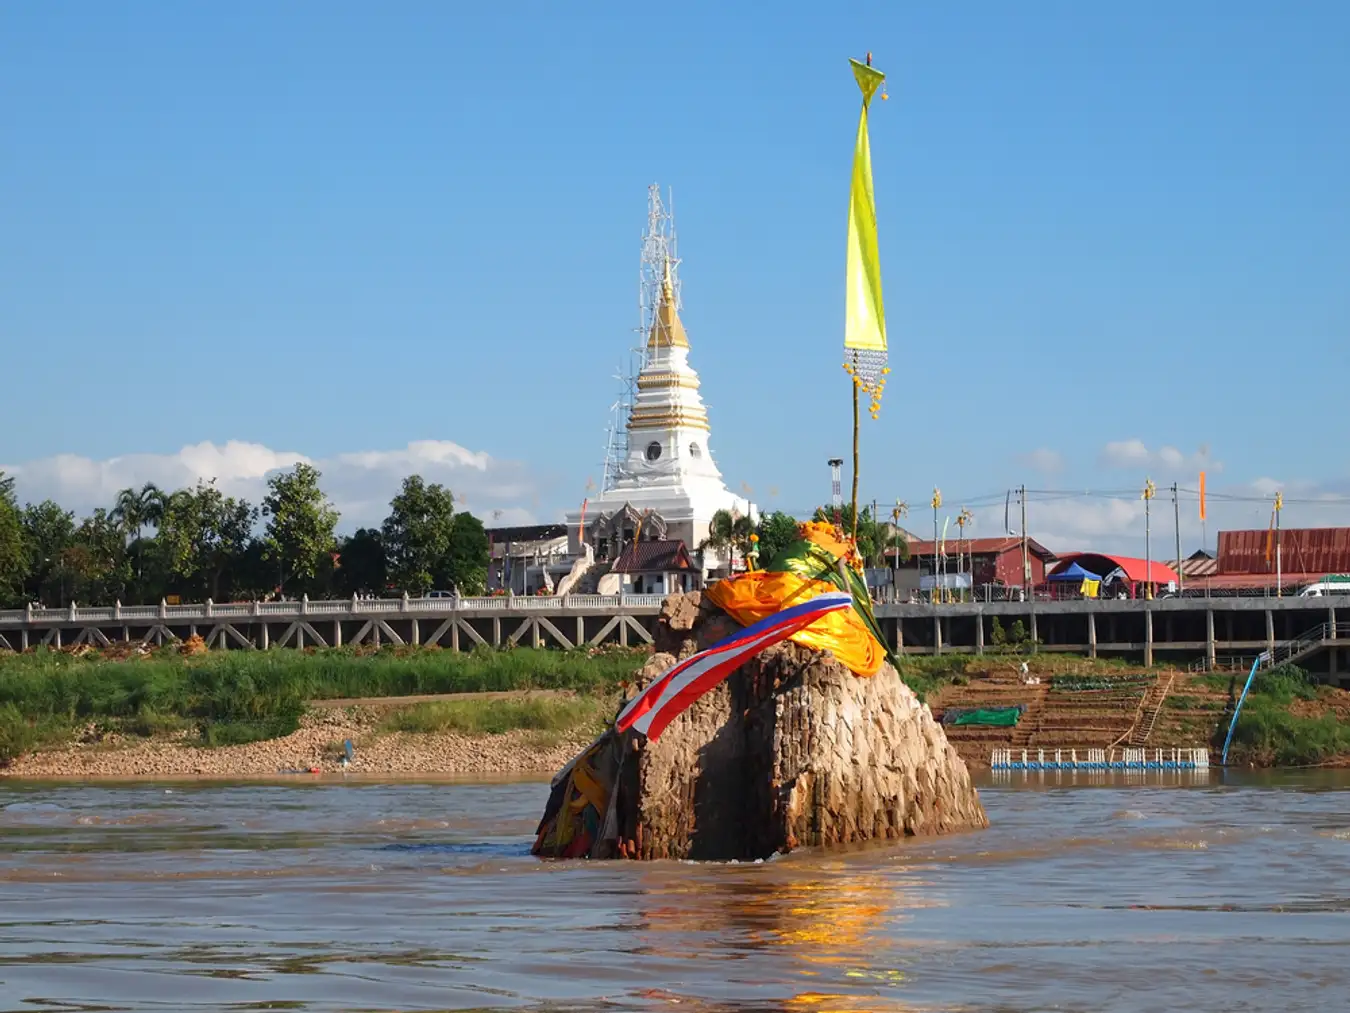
(668, 488)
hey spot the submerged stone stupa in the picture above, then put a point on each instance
(668, 487)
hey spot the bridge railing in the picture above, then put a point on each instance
(264, 610)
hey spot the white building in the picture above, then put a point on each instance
(669, 487)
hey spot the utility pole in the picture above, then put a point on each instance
(1176, 519)
(901, 510)
(1149, 490)
(836, 491)
(937, 502)
(962, 520)
(1026, 560)
(1279, 569)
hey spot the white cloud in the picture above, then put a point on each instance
(1135, 455)
(360, 483)
(1043, 460)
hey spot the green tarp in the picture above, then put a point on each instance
(1002, 717)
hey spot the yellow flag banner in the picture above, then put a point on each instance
(865, 316)
(1090, 588)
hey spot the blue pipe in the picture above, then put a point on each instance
(1238, 710)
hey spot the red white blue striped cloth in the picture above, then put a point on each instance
(672, 694)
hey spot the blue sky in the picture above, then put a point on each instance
(1115, 242)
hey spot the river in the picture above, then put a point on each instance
(1205, 892)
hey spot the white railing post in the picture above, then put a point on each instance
(117, 609)
(403, 605)
(210, 607)
(163, 609)
(304, 604)
(73, 610)
(255, 608)
(28, 612)
(354, 600)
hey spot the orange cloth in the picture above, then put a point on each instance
(750, 597)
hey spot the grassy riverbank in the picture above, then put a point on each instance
(229, 698)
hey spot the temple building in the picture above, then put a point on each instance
(669, 487)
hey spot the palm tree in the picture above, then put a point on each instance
(133, 510)
(728, 531)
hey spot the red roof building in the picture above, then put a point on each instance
(1301, 550)
(991, 560)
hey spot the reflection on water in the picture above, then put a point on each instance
(1089, 892)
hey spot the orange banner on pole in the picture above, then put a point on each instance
(1202, 495)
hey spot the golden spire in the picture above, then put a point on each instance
(667, 330)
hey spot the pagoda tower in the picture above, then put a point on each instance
(668, 486)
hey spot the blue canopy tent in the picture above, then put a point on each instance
(1073, 572)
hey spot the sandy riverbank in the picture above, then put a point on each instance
(317, 745)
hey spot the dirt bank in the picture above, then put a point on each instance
(317, 745)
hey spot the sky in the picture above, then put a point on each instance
(1115, 244)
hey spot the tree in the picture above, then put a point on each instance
(465, 565)
(417, 534)
(13, 554)
(300, 524)
(726, 531)
(776, 532)
(204, 533)
(362, 567)
(135, 508)
(94, 567)
(872, 535)
(132, 511)
(47, 532)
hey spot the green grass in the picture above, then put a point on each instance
(243, 696)
(1268, 732)
(555, 714)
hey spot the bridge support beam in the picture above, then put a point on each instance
(1092, 634)
(1148, 639)
(979, 633)
(1270, 631)
(937, 633)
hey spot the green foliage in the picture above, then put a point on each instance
(202, 532)
(1284, 684)
(466, 562)
(362, 567)
(726, 532)
(13, 554)
(242, 696)
(417, 533)
(925, 674)
(498, 716)
(776, 532)
(1268, 733)
(300, 524)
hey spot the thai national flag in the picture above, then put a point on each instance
(670, 695)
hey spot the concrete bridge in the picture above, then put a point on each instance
(1219, 632)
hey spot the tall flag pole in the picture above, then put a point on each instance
(864, 315)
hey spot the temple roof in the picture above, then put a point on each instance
(666, 328)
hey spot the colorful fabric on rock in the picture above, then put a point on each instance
(671, 694)
(820, 561)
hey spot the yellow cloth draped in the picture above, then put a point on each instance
(750, 597)
(865, 317)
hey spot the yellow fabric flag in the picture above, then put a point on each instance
(865, 316)
(1090, 588)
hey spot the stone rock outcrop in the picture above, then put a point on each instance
(792, 750)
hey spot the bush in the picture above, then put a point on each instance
(496, 717)
(244, 696)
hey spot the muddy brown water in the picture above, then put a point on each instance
(1087, 894)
